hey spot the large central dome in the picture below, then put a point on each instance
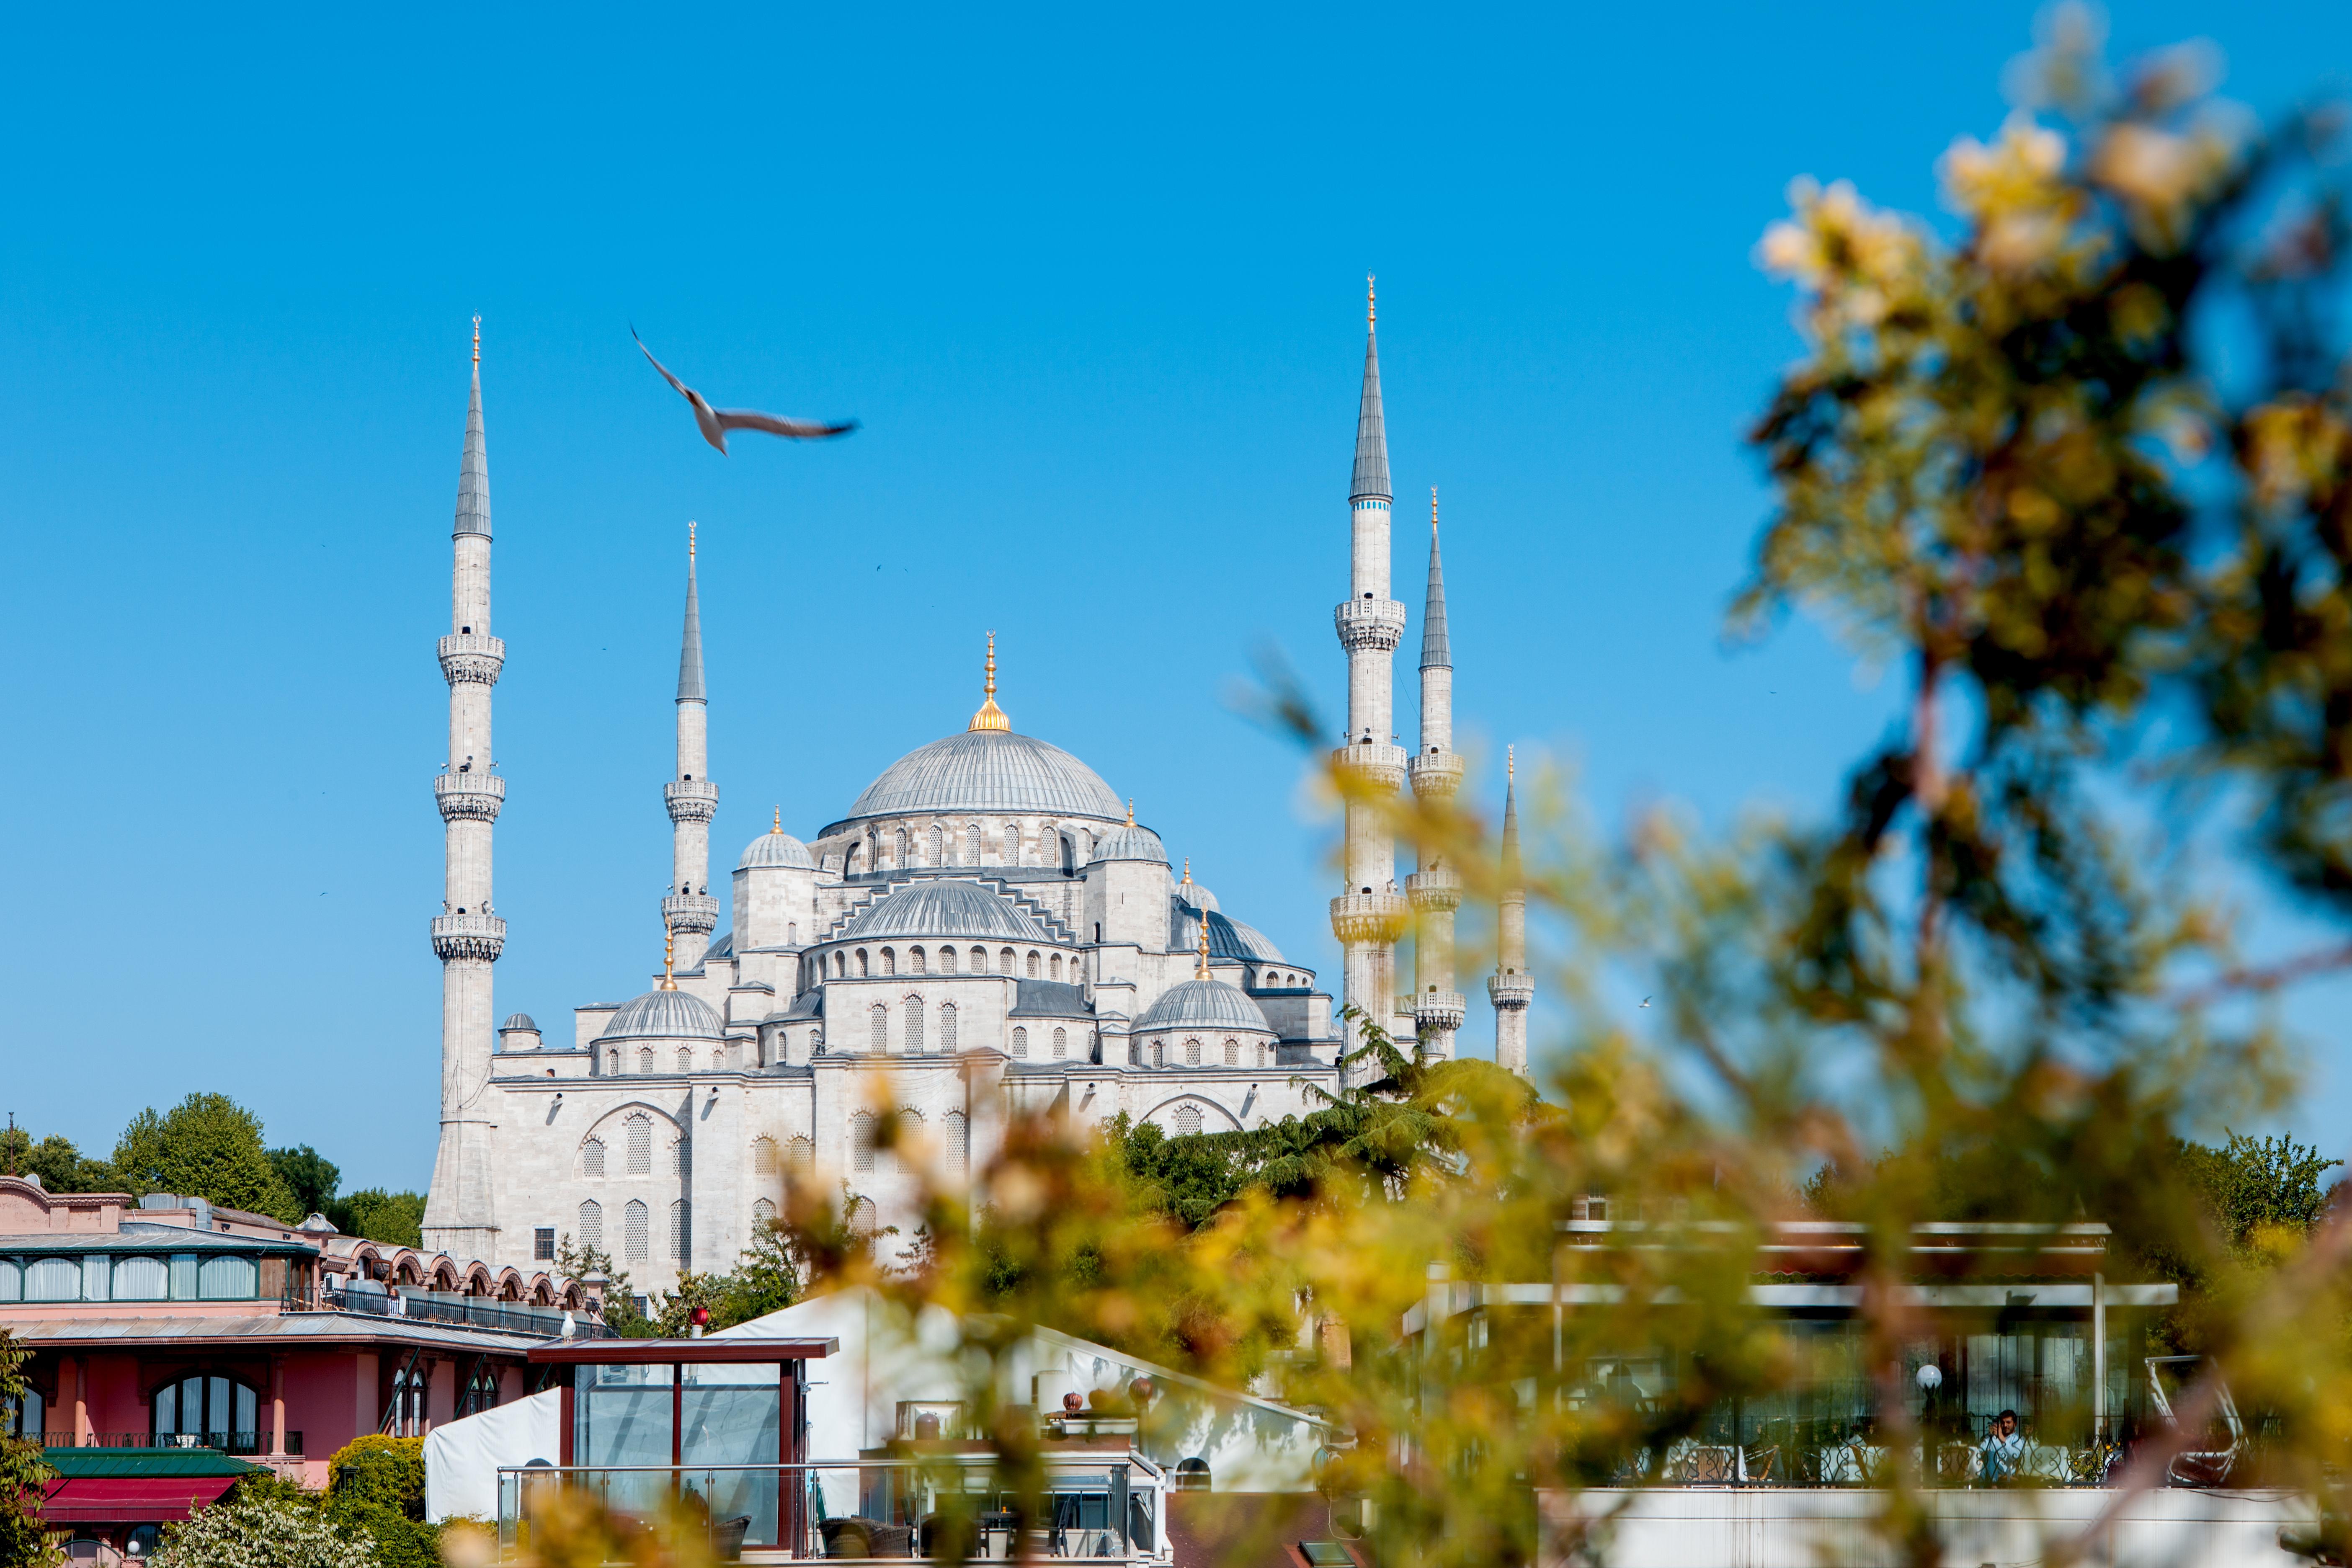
(987, 771)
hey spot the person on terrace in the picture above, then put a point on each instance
(2004, 1447)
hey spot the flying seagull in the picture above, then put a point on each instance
(715, 423)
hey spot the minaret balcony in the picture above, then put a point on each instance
(473, 656)
(695, 912)
(470, 796)
(1371, 762)
(468, 936)
(1435, 775)
(690, 800)
(1435, 890)
(1376, 624)
(1370, 917)
(1510, 994)
(1440, 1009)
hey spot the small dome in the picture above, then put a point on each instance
(1199, 897)
(777, 849)
(1130, 843)
(665, 1015)
(520, 1021)
(943, 909)
(1203, 1004)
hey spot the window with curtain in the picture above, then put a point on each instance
(141, 1280)
(1020, 1041)
(881, 1017)
(228, 1279)
(681, 1231)
(947, 1022)
(53, 1279)
(861, 1143)
(219, 1409)
(636, 1231)
(914, 1026)
(592, 1157)
(640, 1130)
(592, 1224)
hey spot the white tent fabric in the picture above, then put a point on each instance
(462, 1457)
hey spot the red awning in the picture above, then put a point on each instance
(128, 1500)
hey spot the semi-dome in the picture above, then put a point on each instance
(1131, 843)
(520, 1021)
(776, 849)
(1203, 1004)
(943, 909)
(986, 771)
(1228, 938)
(665, 1015)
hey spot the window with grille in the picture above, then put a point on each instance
(881, 1017)
(542, 1243)
(902, 846)
(1192, 1053)
(1054, 966)
(681, 1161)
(914, 1026)
(681, 1231)
(972, 843)
(646, 1062)
(637, 1225)
(1233, 1053)
(1013, 844)
(863, 966)
(1159, 1053)
(862, 1217)
(1060, 1044)
(592, 1157)
(591, 1224)
(939, 846)
(612, 1061)
(889, 961)
(958, 1139)
(1261, 1053)
(915, 960)
(947, 1019)
(685, 1062)
(1005, 961)
(861, 1143)
(800, 1156)
(763, 1156)
(1033, 965)
(763, 1213)
(1188, 1119)
(640, 1129)
(1020, 1041)
(947, 961)
(980, 961)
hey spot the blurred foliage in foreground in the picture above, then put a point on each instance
(2078, 466)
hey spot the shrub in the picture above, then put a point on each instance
(256, 1529)
(378, 1489)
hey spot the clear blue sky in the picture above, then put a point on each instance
(1093, 280)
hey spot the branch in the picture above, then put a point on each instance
(2266, 978)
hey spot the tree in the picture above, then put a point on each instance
(2258, 1191)
(376, 1490)
(207, 1146)
(764, 1279)
(61, 1167)
(394, 1218)
(24, 1539)
(309, 1175)
(260, 1530)
(621, 1312)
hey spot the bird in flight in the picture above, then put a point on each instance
(714, 423)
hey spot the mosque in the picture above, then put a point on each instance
(986, 931)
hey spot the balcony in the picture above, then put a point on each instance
(243, 1445)
(691, 912)
(468, 936)
(473, 796)
(468, 1312)
(690, 800)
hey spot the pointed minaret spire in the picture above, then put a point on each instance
(1436, 888)
(1370, 914)
(460, 1218)
(688, 911)
(1512, 987)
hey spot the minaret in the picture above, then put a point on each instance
(688, 911)
(467, 938)
(1512, 987)
(1436, 772)
(1370, 914)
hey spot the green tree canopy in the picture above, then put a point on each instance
(207, 1146)
(309, 1175)
(379, 1216)
(61, 1167)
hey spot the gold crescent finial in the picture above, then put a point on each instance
(1131, 811)
(478, 340)
(779, 825)
(669, 955)
(1202, 974)
(1188, 867)
(1371, 303)
(990, 717)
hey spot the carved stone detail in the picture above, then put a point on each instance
(691, 912)
(472, 657)
(1511, 995)
(1376, 624)
(482, 937)
(1372, 763)
(1435, 889)
(476, 797)
(1370, 917)
(690, 800)
(1435, 775)
(1442, 1010)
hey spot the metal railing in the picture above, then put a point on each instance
(1106, 1510)
(245, 1444)
(1861, 1463)
(468, 1311)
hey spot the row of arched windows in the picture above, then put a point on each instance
(914, 1040)
(724, 1057)
(797, 1157)
(637, 1152)
(1192, 1053)
(1061, 1043)
(955, 1131)
(974, 843)
(1032, 965)
(636, 1230)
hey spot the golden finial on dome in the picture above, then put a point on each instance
(779, 825)
(1202, 972)
(1131, 811)
(1188, 870)
(1371, 303)
(990, 717)
(670, 956)
(478, 340)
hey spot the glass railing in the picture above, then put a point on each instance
(1100, 1511)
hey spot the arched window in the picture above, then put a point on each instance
(841, 965)
(480, 1393)
(1233, 1053)
(1013, 844)
(685, 1059)
(678, 1160)
(1134, 1052)
(1032, 965)
(958, 1139)
(902, 846)
(645, 1061)
(800, 1156)
(947, 1026)
(220, 1412)
(592, 1224)
(914, 961)
(681, 1231)
(861, 1143)
(1159, 1053)
(864, 968)
(1261, 1053)
(849, 859)
(914, 1026)
(1192, 1053)
(862, 1218)
(763, 1213)
(763, 1156)
(1005, 961)
(889, 961)
(640, 1130)
(972, 843)
(938, 845)
(947, 961)
(592, 1157)
(1054, 966)
(719, 1055)
(1082, 846)
(1060, 1044)
(613, 1060)
(881, 1017)
(1020, 1041)
(816, 1042)
(980, 961)
(1188, 1119)
(637, 1225)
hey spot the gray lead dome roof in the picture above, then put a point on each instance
(943, 909)
(1130, 842)
(987, 771)
(776, 849)
(664, 1016)
(1203, 1004)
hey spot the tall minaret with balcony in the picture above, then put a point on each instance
(467, 937)
(1435, 769)
(1370, 914)
(688, 911)
(1512, 987)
